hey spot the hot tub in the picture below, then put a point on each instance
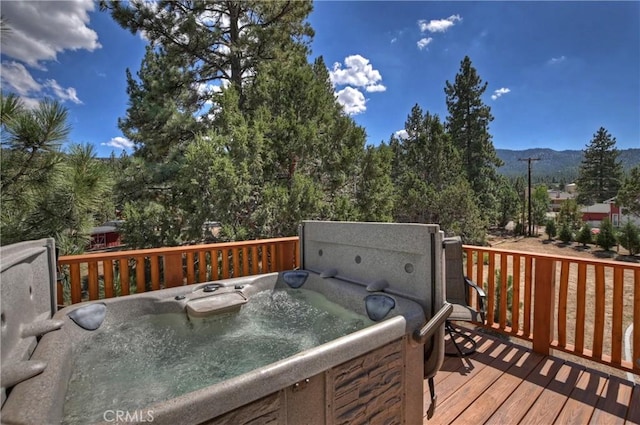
(370, 294)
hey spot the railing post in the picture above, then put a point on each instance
(173, 275)
(543, 304)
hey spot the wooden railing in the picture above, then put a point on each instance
(111, 274)
(586, 307)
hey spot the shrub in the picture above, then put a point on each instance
(584, 235)
(565, 234)
(629, 237)
(606, 238)
(550, 229)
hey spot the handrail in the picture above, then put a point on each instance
(110, 274)
(571, 304)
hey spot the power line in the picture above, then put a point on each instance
(529, 161)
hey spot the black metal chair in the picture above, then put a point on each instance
(457, 293)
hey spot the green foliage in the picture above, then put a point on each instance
(508, 202)
(429, 180)
(550, 229)
(47, 192)
(629, 237)
(600, 172)
(629, 193)
(566, 234)
(570, 215)
(375, 191)
(584, 236)
(539, 204)
(606, 238)
(468, 125)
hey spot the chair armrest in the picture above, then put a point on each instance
(482, 296)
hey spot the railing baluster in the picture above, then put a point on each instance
(635, 357)
(215, 263)
(125, 288)
(75, 283)
(598, 334)
(528, 268)
(225, 263)
(93, 280)
(503, 290)
(191, 275)
(235, 261)
(580, 309)
(618, 306)
(202, 267)
(245, 261)
(140, 275)
(107, 272)
(255, 269)
(155, 272)
(265, 260)
(515, 307)
(562, 302)
(480, 276)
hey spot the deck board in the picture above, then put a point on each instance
(504, 383)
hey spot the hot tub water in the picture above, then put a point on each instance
(130, 365)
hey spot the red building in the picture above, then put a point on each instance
(105, 236)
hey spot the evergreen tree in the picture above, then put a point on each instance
(540, 204)
(565, 235)
(468, 124)
(375, 190)
(600, 172)
(629, 194)
(508, 202)
(584, 235)
(429, 179)
(550, 229)
(606, 238)
(570, 215)
(629, 237)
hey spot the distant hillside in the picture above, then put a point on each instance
(563, 165)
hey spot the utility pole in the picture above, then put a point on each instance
(529, 160)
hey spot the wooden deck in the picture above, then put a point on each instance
(505, 383)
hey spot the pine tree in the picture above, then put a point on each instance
(600, 173)
(375, 190)
(550, 229)
(468, 126)
(540, 204)
(629, 194)
(629, 237)
(606, 238)
(584, 236)
(565, 235)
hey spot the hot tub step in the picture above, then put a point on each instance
(216, 304)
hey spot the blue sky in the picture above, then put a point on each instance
(557, 71)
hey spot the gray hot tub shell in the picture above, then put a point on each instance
(373, 374)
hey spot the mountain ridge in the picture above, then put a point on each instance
(552, 164)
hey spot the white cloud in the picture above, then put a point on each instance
(375, 88)
(438, 25)
(554, 61)
(424, 42)
(15, 76)
(352, 100)
(358, 72)
(496, 94)
(62, 93)
(119, 143)
(401, 134)
(394, 39)
(38, 31)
